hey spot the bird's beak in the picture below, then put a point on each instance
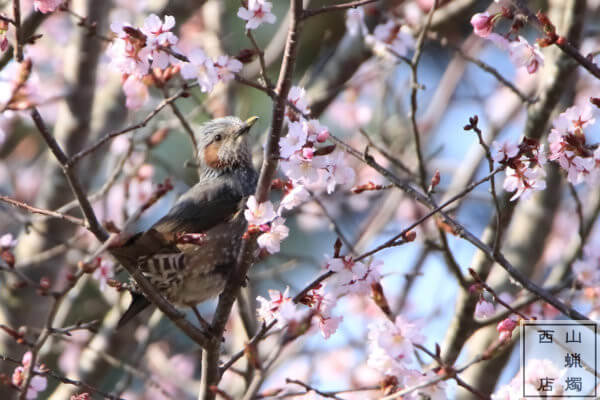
(247, 125)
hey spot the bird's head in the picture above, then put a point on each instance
(223, 144)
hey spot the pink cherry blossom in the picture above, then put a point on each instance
(505, 328)
(500, 41)
(46, 6)
(37, 383)
(391, 345)
(271, 240)
(294, 140)
(436, 391)
(258, 214)
(393, 37)
(103, 273)
(280, 307)
(297, 96)
(7, 241)
(568, 145)
(295, 197)
(484, 309)
(227, 67)
(339, 173)
(524, 181)
(159, 37)
(587, 269)
(136, 92)
(128, 52)
(482, 24)
(303, 170)
(505, 151)
(351, 276)
(523, 54)
(256, 13)
(202, 68)
(316, 131)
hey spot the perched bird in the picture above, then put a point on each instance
(187, 274)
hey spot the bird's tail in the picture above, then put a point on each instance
(138, 303)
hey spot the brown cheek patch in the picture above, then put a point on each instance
(211, 155)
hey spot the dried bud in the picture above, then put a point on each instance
(435, 180)
(82, 396)
(24, 72)
(246, 56)
(135, 33)
(89, 267)
(337, 247)
(323, 151)
(45, 283)
(380, 299)
(251, 231)
(111, 226)
(251, 353)
(8, 257)
(389, 384)
(410, 236)
(474, 274)
(190, 238)
(443, 225)
(277, 184)
(366, 187)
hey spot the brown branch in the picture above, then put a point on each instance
(261, 59)
(210, 358)
(462, 232)
(35, 210)
(414, 63)
(311, 12)
(18, 47)
(86, 208)
(487, 68)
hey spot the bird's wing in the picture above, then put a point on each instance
(201, 208)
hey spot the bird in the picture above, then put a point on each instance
(187, 274)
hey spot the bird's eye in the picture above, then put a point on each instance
(218, 138)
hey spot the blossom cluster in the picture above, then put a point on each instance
(587, 269)
(262, 217)
(391, 352)
(389, 38)
(524, 166)
(352, 277)
(568, 147)
(290, 315)
(256, 12)
(301, 160)
(38, 383)
(149, 54)
(529, 382)
(520, 51)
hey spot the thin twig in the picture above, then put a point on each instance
(86, 208)
(78, 156)
(35, 210)
(18, 47)
(311, 12)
